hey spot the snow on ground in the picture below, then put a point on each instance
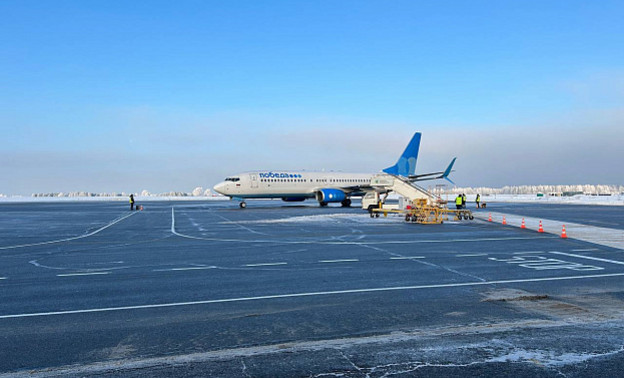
(613, 200)
(138, 199)
(319, 218)
(609, 237)
(581, 199)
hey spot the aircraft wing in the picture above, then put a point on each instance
(357, 190)
(434, 175)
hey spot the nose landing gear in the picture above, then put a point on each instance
(242, 205)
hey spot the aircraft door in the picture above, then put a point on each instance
(254, 180)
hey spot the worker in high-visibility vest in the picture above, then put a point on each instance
(478, 201)
(131, 202)
(458, 201)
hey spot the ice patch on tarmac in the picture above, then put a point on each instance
(549, 358)
(321, 218)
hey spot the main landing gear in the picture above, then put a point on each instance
(242, 205)
(344, 203)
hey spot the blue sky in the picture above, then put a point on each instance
(119, 96)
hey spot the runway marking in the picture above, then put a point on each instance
(407, 257)
(3, 278)
(528, 252)
(545, 263)
(585, 250)
(238, 224)
(82, 274)
(69, 239)
(186, 268)
(267, 264)
(173, 231)
(472, 255)
(309, 294)
(339, 261)
(589, 258)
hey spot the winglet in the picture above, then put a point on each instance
(406, 165)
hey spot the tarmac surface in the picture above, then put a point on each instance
(276, 290)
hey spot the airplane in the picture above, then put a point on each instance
(325, 187)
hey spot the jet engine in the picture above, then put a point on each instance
(330, 195)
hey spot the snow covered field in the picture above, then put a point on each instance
(138, 199)
(613, 200)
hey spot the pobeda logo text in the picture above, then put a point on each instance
(279, 175)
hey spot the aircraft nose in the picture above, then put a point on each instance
(221, 188)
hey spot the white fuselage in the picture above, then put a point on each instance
(290, 184)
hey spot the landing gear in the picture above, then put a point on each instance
(346, 203)
(370, 211)
(323, 204)
(242, 205)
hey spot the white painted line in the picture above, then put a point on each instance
(528, 252)
(472, 255)
(173, 231)
(589, 258)
(407, 257)
(310, 294)
(586, 250)
(3, 278)
(267, 264)
(339, 261)
(69, 239)
(188, 268)
(82, 274)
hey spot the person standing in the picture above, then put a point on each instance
(131, 202)
(478, 201)
(463, 200)
(458, 201)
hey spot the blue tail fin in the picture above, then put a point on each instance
(406, 165)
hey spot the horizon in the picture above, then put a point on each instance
(449, 188)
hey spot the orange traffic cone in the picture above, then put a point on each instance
(540, 229)
(563, 232)
(522, 225)
(490, 218)
(504, 220)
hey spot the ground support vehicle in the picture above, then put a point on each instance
(424, 213)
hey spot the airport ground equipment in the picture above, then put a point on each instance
(423, 207)
(423, 212)
(385, 183)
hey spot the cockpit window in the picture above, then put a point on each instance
(232, 179)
